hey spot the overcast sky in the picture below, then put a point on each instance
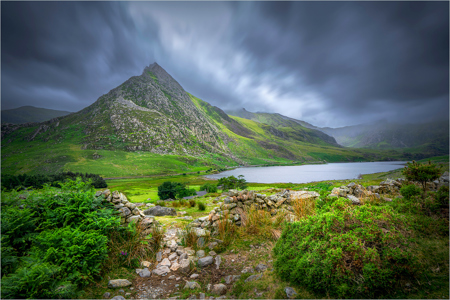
(327, 63)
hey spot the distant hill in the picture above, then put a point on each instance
(27, 114)
(384, 135)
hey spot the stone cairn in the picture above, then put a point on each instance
(128, 211)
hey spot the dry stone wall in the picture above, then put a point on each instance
(236, 202)
(128, 211)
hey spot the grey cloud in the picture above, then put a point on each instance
(77, 49)
(358, 53)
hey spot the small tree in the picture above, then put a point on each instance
(422, 173)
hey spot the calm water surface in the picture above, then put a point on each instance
(309, 173)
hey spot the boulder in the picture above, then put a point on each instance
(175, 266)
(192, 285)
(165, 262)
(185, 266)
(205, 261)
(125, 211)
(158, 256)
(218, 260)
(160, 211)
(354, 199)
(115, 283)
(161, 271)
(261, 268)
(133, 219)
(304, 195)
(290, 293)
(231, 278)
(147, 222)
(130, 205)
(219, 289)
(107, 193)
(145, 273)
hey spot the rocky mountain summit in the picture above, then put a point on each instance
(150, 112)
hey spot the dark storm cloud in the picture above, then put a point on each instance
(359, 54)
(64, 55)
(328, 63)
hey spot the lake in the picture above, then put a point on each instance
(309, 173)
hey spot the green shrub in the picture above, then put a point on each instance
(79, 253)
(422, 173)
(208, 187)
(201, 206)
(37, 280)
(192, 203)
(409, 191)
(56, 243)
(347, 251)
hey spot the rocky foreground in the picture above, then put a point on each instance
(178, 270)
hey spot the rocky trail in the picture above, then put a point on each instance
(202, 274)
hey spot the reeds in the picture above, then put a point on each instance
(303, 207)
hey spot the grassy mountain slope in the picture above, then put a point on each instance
(291, 127)
(26, 114)
(149, 125)
(429, 138)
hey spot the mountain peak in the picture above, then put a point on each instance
(161, 77)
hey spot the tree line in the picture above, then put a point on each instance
(22, 181)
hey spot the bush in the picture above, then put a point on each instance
(201, 206)
(421, 172)
(409, 191)
(208, 187)
(192, 203)
(348, 251)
